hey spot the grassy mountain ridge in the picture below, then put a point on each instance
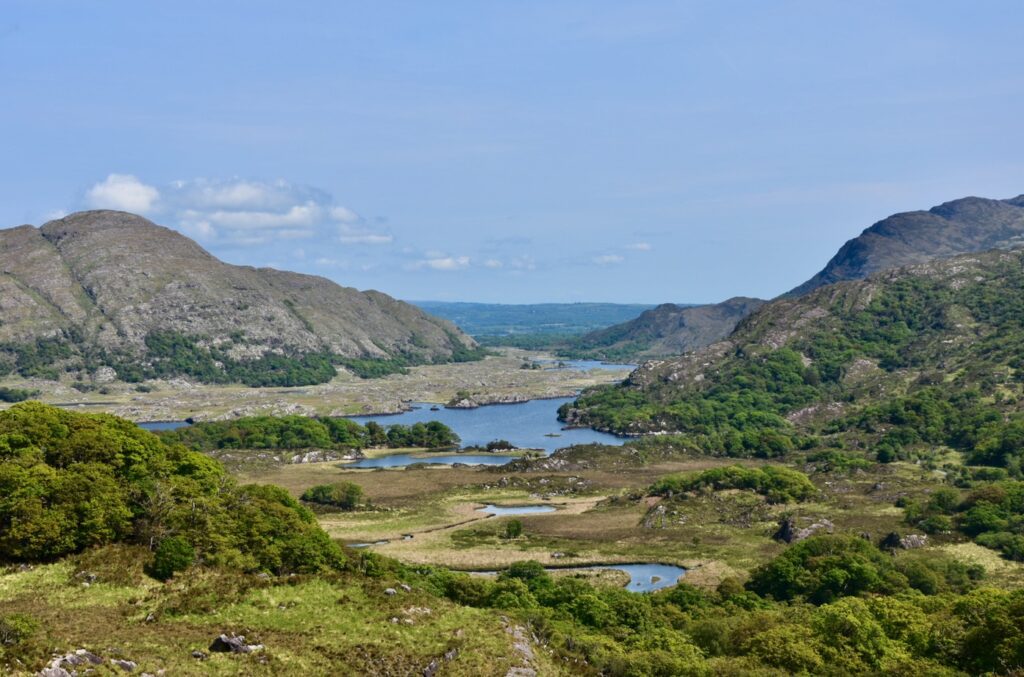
(111, 288)
(956, 324)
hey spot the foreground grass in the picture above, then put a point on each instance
(337, 625)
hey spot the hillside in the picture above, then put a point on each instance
(947, 329)
(111, 288)
(971, 224)
(668, 329)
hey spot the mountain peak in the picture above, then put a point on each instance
(962, 226)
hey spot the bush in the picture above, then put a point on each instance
(778, 484)
(823, 568)
(16, 394)
(16, 629)
(343, 495)
(513, 529)
(72, 481)
(174, 554)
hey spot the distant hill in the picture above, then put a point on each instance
(106, 288)
(499, 319)
(668, 329)
(971, 224)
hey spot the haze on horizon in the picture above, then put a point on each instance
(513, 152)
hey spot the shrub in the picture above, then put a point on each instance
(174, 554)
(16, 629)
(343, 495)
(513, 529)
(823, 568)
(777, 484)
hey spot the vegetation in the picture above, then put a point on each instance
(823, 602)
(71, 481)
(16, 394)
(917, 323)
(992, 514)
(301, 432)
(341, 495)
(777, 484)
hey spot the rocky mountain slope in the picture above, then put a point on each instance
(946, 327)
(971, 224)
(668, 329)
(105, 287)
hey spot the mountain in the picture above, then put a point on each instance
(111, 288)
(971, 224)
(942, 336)
(669, 329)
(505, 319)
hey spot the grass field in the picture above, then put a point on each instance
(603, 516)
(307, 625)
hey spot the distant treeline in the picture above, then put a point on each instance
(301, 432)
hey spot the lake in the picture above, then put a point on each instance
(527, 425)
(586, 365)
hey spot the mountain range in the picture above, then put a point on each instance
(967, 225)
(107, 288)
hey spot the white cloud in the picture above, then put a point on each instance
(239, 212)
(124, 192)
(493, 263)
(607, 259)
(365, 238)
(344, 214)
(448, 263)
(639, 246)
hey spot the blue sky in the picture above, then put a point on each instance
(513, 151)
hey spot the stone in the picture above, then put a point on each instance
(390, 592)
(405, 587)
(913, 541)
(127, 666)
(233, 644)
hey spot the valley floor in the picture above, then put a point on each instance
(496, 378)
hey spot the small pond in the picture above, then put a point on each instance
(162, 425)
(648, 577)
(504, 510)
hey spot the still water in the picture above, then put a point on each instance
(527, 425)
(504, 510)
